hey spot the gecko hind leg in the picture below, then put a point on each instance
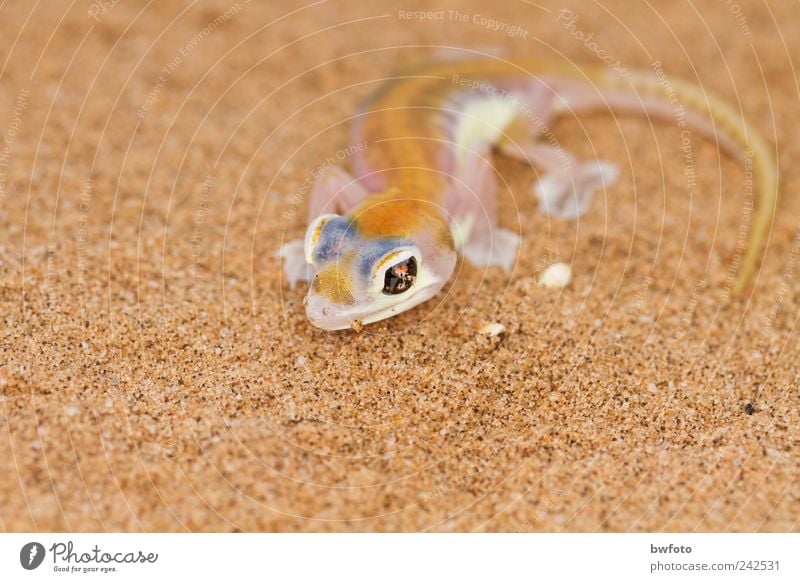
(567, 187)
(334, 191)
(472, 206)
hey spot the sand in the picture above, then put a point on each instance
(157, 374)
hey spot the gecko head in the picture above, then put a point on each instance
(364, 276)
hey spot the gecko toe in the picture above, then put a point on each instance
(568, 194)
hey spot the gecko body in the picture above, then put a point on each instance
(386, 237)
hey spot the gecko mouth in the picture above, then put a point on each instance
(331, 318)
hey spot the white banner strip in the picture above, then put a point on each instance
(400, 557)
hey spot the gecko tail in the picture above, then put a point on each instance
(731, 126)
(662, 97)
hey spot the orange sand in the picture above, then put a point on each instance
(155, 374)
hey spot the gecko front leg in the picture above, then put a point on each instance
(472, 208)
(334, 191)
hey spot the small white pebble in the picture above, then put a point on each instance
(652, 387)
(493, 329)
(73, 410)
(300, 362)
(556, 276)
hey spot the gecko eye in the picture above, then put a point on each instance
(400, 277)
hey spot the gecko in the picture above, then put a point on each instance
(385, 236)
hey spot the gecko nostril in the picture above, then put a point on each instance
(316, 310)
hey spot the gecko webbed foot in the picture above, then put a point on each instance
(295, 266)
(567, 194)
(499, 249)
(567, 187)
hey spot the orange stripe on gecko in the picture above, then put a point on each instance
(390, 215)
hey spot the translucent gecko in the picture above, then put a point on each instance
(385, 238)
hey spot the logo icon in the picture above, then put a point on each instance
(31, 555)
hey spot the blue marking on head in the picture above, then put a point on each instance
(333, 238)
(373, 250)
